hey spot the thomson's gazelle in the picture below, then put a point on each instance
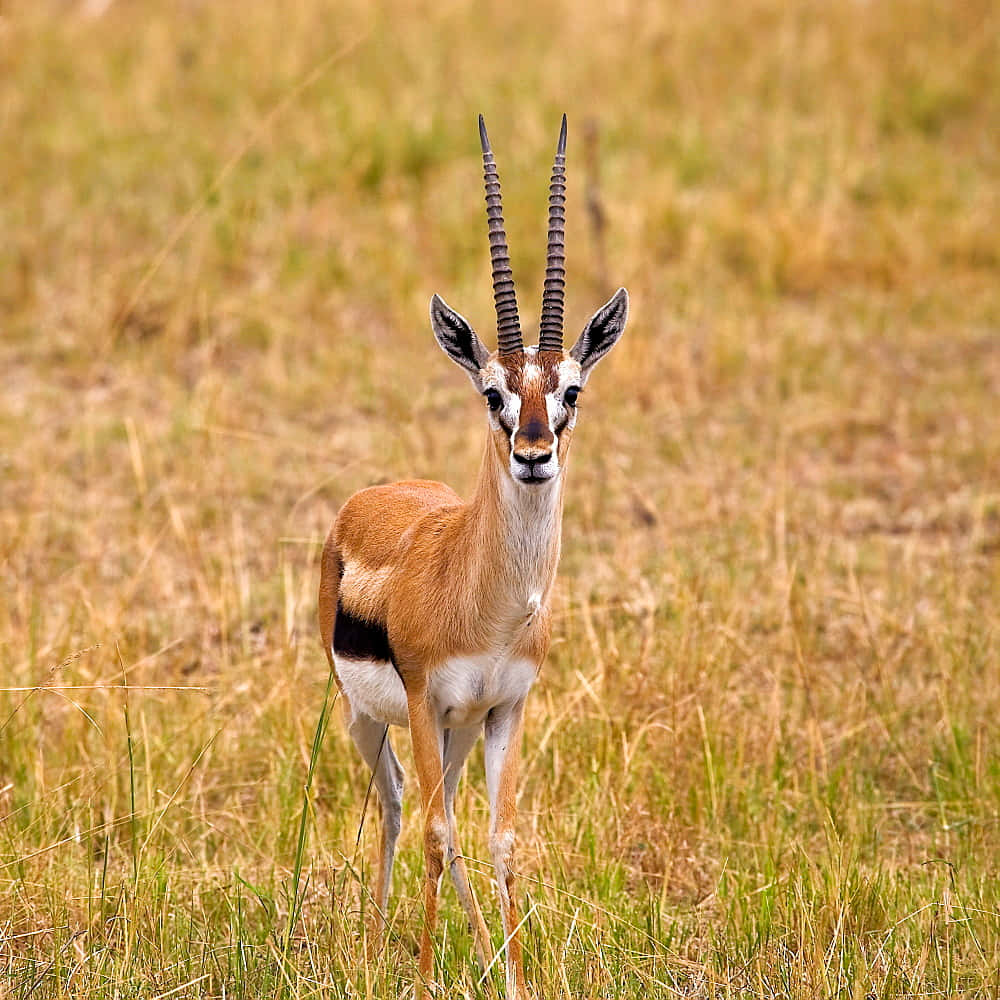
(435, 611)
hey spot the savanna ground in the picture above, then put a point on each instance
(762, 758)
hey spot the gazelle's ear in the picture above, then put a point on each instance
(457, 339)
(602, 332)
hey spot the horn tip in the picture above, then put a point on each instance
(561, 151)
(484, 139)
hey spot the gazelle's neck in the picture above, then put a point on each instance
(518, 530)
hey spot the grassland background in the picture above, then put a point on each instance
(762, 758)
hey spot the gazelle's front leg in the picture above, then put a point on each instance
(457, 744)
(503, 754)
(427, 735)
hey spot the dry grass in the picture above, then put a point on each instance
(762, 759)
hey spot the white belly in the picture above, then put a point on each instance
(463, 689)
(373, 687)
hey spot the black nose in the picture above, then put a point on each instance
(534, 460)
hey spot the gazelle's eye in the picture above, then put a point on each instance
(493, 399)
(571, 395)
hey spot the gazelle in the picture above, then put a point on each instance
(435, 613)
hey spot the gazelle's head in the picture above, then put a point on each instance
(530, 393)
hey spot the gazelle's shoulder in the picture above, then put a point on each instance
(372, 521)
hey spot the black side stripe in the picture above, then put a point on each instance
(356, 639)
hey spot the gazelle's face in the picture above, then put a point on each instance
(531, 401)
(531, 395)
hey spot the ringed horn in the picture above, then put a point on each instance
(550, 330)
(509, 339)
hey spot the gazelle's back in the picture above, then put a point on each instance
(371, 524)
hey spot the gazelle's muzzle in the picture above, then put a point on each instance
(532, 453)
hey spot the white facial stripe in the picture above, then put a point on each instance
(512, 411)
(495, 377)
(554, 408)
(570, 373)
(555, 402)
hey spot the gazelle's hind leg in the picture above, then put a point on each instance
(372, 739)
(457, 744)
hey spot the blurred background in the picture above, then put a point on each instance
(762, 756)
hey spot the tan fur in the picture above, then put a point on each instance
(457, 595)
(450, 579)
(462, 591)
(435, 571)
(329, 584)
